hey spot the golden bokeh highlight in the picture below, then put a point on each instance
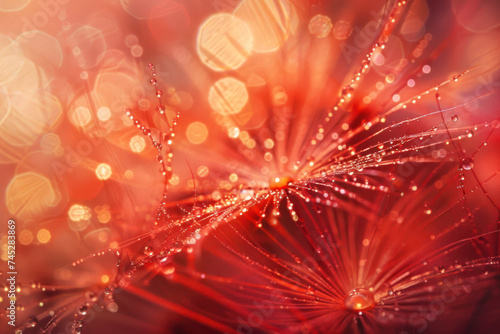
(30, 195)
(271, 22)
(103, 171)
(13, 6)
(103, 214)
(197, 133)
(79, 217)
(137, 144)
(224, 42)
(320, 26)
(25, 237)
(80, 116)
(43, 236)
(228, 96)
(104, 114)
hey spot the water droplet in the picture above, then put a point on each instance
(83, 309)
(31, 322)
(467, 163)
(148, 251)
(359, 300)
(469, 133)
(91, 296)
(177, 246)
(377, 157)
(454, 118)
(310, 290)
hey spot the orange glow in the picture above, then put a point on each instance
(320, 26)
(224, 42)
(30, 194)
(228, 96)
(271, 22)
(279, 182)
(197, 132)
(43, 236)
(103, 171)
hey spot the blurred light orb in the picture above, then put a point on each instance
(43, 236)
(90, 44)
(197, 133)
(202, 171)
(30, 195)
(137, 144)
(104, 114)
(79, 217)
(342, 30)
(41, 48)
(13, 6)
(224, 42)
(81, 116)
(25, 237)
(359, 300)
(79, 212)
(320, 26)
(103, 171)
(271, 22)
(228, 96)
(50, 142)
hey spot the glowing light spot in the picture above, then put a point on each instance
(279, 182)
(174, 180)
(103, 214)
(29, 195)
(202, 171)
(342, 30)
(269, 144)
(79, 217)
(320, 26)
(279, 96)
(129, 175)
(233, 132)
(81, 116)
(411, 83)
(271, 22)
(197, 133)
(233, 177)
(104, 113)
(224, 42)
(228, 96)
(25, 237)
(137, 144)
(359, 300)
(426, 69)
(43, 236)
(396, 98)
(104, 279)
(136, 51)
(103, 171)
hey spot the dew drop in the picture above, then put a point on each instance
(310, 290)
(454, 118)
(177, 246)
(467, 163)
(31, 322)
(83, 309)
(359, 300)
(148, 251)
(469, 133)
